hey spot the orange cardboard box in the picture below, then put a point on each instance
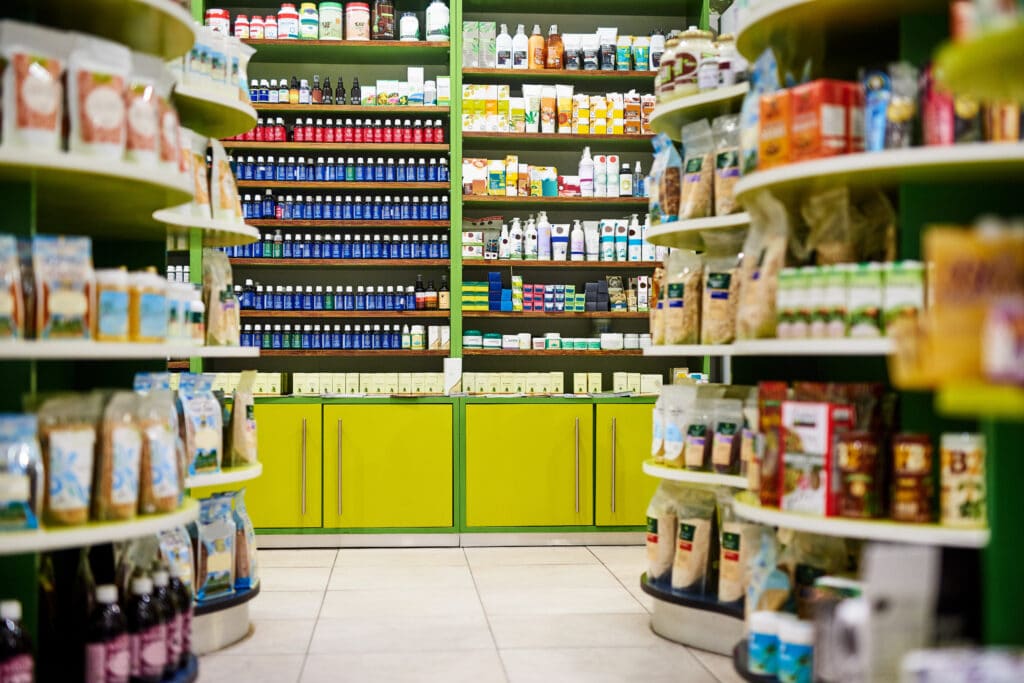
(820, 119)
(773, 147)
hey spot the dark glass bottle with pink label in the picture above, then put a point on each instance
(147, 634)
(166, 601)
(107, 658)
(16, 663)
(185, 606)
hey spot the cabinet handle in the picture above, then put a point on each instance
(577, 440)
(303, 467)
(339, 468)
(614, 425)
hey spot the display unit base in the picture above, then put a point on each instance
(739, 662)
(694, 621)
(188, 674)
(483, 539)
(221, 622)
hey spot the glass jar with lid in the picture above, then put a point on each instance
(693, 43)
(664, 87)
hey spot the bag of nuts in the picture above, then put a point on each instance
(721, 286)
(682, 297)
(698, 170)
(726, 133)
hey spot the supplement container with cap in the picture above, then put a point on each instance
(409, 27)
(219, 20)
(763, 642)
(357, 21)
(437, 21)
(418, 338)
(330, 21)
(309, 21)
(287, 22)
(111, 319)
(796, 651)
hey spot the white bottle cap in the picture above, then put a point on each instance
(796, 632)
(142, 585)
(106, 594)
(160, 577)
(764, 622)
(10, 609)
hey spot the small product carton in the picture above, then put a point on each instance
(807, 441)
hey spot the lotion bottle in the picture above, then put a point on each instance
(530, 241)
(576, 242)
(504, 243)
(515, 240)
(503, 47)
(538, 48)
(586, 173)
(543, 237)
(520, 49)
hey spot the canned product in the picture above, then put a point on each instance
(860, 477)
(357, 21)
(962, 497)
(913, 483)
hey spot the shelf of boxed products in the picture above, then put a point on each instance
(368, 110)
(88, 187)
(323, 185)
(687, 234)
(337, 146)
(345, 314)
(211, 114)
(981, 65)
(979, 400)
(92, 350)
(341, 263)
(157, 27)
(874, 346)
(272, 223)
(935, 164)
(772, 20)
(669, 118)
(95, 533)
(476, 140)
(576, 202)
(385, 52)
(747, 506)
(227, 475)
(555, 314)
(632, 78)
(550, 352)
(694, 477)
(354, 353)
(560, 265)
(216, 233)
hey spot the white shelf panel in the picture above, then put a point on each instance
(216, 233)
(881, 346)
(691, 477)
(938, 164)
(670, 118)
(687, 234)
(211, 114)
(94, 533)
(691, 350)
(871, 530)
(228, 475)
(91, 350)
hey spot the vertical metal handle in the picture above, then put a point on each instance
(303, 466)
(614, 444)
(577, 440)
(339, 468)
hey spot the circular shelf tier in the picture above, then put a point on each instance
(866, 529)
(951, 164)
(880, 346)
(212, 115)
(93, 350)
(96, 196)
(94, 533)
(691, 477)
(687, 234)
(670, 118)
(216, 233)
(157, 27)
(228, 475)
(223, 602)
(986, 67)
(694, 620)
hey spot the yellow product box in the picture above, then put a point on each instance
(594, 382)
(472, 107)
(524, 181)
(490, 98)
(633, 382)
(581, 114)
(511, 175)
(598, 115)
(496, 178)
(504, 108)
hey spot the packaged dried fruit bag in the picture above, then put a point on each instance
(33, 87)
(142, 103)
(97, 78)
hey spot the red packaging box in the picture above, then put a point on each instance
(808, 480)
(855, 117)
(819, 119)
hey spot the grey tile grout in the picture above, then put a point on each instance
(487, 617)
(316, 621)
(617, 579)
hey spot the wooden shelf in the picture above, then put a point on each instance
(593, 265)
(670, 118)
(345, 314)
(334, 146)
(271, 223)
(477, 140)
(544, 314)
(353, 353)
(350, 108)
(547, 352)
(339, 263)
(322, 185)
(351, 51)
(597, 203)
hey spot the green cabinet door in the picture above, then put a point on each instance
(387, 466)
(623, 491)
(529, 465)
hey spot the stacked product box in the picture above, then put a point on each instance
(318, 383)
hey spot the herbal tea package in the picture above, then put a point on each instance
(725, 131)
(698, 170)
(223, 327)
(97, 77)
(201, 424)
(67, 434)
(241, 445)
(63, 278)
(764, 256)
(116, 489)
(246, 575)
(215, 560)
(661, 532)
(161, 476)
(721, 286)
(696, 541)
(683, 270)
(33, 85)
(737, 542)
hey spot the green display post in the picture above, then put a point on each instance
(1003, 590)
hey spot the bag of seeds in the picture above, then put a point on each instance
(246, 576)
(116, 494)
(33, 85)
(737, 541)
(661, 530)
(67, 434)
(726, 133)
(143, 109)
(201, 424)
(696, 541)
(721, 286)
(242, 447)
(698, 170)
(682, 297)
(764, 256)
(160, 475)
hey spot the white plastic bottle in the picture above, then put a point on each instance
(437, 21)
(576, 242)
(635, 240)
(647, 253)
(543, 237)
(601, 176)
(520, 49)
(586, 173)
(515, 240)
(504, 243)
(503, 47)
(530, 241)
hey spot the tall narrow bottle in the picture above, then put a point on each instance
(357, 95)
(444, 295)
(537, 48)
(339, 91)
(586, 173)
(520, 49)
(293, 91)
(576, 242)
(16, 663)
(556, 49)
(328, 93)
(530, 241)
(316, 95)
(106, 650)
(503, 48)
(146, 634)
(421, 294)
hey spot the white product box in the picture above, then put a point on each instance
(579, 382)
(620, 382)
(650, 384)
(594, 382)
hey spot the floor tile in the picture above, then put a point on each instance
(297, 557)
(605, 665)
(479, 557)
(286, 605)
(392, 576)
(275, 637)
(544, 576)
(401, 602)
(218, 667)
(620, 555)
(294, 578)
(401, 634)
(468, 666)
(400, 557)
(558, 601)
(573, 630)
(720, 666)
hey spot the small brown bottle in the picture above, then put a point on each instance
(556, 50)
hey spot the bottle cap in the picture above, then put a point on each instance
(142, 585)
(10, 609)
(106, 594)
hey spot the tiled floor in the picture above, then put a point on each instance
(481, 615)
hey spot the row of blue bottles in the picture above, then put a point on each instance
(326, 208)
(342, 169)
(315, 337)
(344, 246)
(258, 297)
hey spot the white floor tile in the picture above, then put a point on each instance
(401, 602)
(559, 601)
(400, 557)
(401, 634)
(274, 637)
(299, 557)
(544, 576)
(620, 555)
(216, 668)
(573, 630)
(604, 665)
(468, 666)
(720, 666)
(479, 557)
(425, 577)
(286, 605)
(294, 578)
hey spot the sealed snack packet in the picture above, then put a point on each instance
(33, 85)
